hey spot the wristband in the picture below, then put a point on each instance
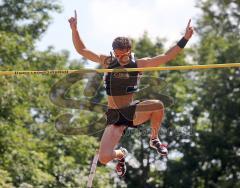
(182, 43)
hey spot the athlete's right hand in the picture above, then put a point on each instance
(73, 21)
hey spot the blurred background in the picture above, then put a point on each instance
(201, 127)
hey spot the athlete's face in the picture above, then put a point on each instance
(122, 55)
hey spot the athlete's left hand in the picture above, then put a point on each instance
(189, 31)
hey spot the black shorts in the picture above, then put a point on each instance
(122, 116)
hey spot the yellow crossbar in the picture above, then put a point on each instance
(147, 69)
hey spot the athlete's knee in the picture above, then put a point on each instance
(158, 105)
(104, 158)
(158, 111)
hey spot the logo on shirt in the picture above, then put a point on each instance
(121, 75)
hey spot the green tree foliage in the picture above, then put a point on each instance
(26, 17)
(32, 152)
(211, 156)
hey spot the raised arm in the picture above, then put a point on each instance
(79, 45)
(170, 54)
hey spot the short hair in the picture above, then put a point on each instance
(121, 43)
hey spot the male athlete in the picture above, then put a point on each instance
(123, 111)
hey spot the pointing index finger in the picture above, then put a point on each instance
(75, 14)
(189, 22)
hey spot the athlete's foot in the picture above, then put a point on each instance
(121, 166)
(157, 145)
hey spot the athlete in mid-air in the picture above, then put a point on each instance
(123, 111)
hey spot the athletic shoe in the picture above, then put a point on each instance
(121, 166)
(157, 145)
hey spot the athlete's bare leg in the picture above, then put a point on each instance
(152, 110)
(110, 139)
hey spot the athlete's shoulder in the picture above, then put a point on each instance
(106, 60)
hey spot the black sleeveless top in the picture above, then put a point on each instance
(121, 83)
